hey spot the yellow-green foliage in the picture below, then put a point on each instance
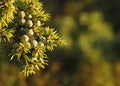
(23, 25)
(7, 10)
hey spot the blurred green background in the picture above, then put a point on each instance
(92, 54)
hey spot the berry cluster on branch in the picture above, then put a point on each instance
(29, 38)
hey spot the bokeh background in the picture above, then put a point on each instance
(92, 56)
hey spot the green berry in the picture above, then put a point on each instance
(28, 44)
(37, 23)
(41, 44)
(24, 38)
(22, 21)
(29, 23)
(29, 16)
(22, 14)
(34, 43)
(30, 32)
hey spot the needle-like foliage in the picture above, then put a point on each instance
(22, 24)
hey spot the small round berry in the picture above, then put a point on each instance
(34, 43)
(29, 16)
(22, 14)
(29, 23)
(30, 32)
(37, 23)
(28, 44)
(41, 44)
(22, 21)
(24, 38)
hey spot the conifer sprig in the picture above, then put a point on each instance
(22, 26)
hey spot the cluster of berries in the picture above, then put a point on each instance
(27, 22)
